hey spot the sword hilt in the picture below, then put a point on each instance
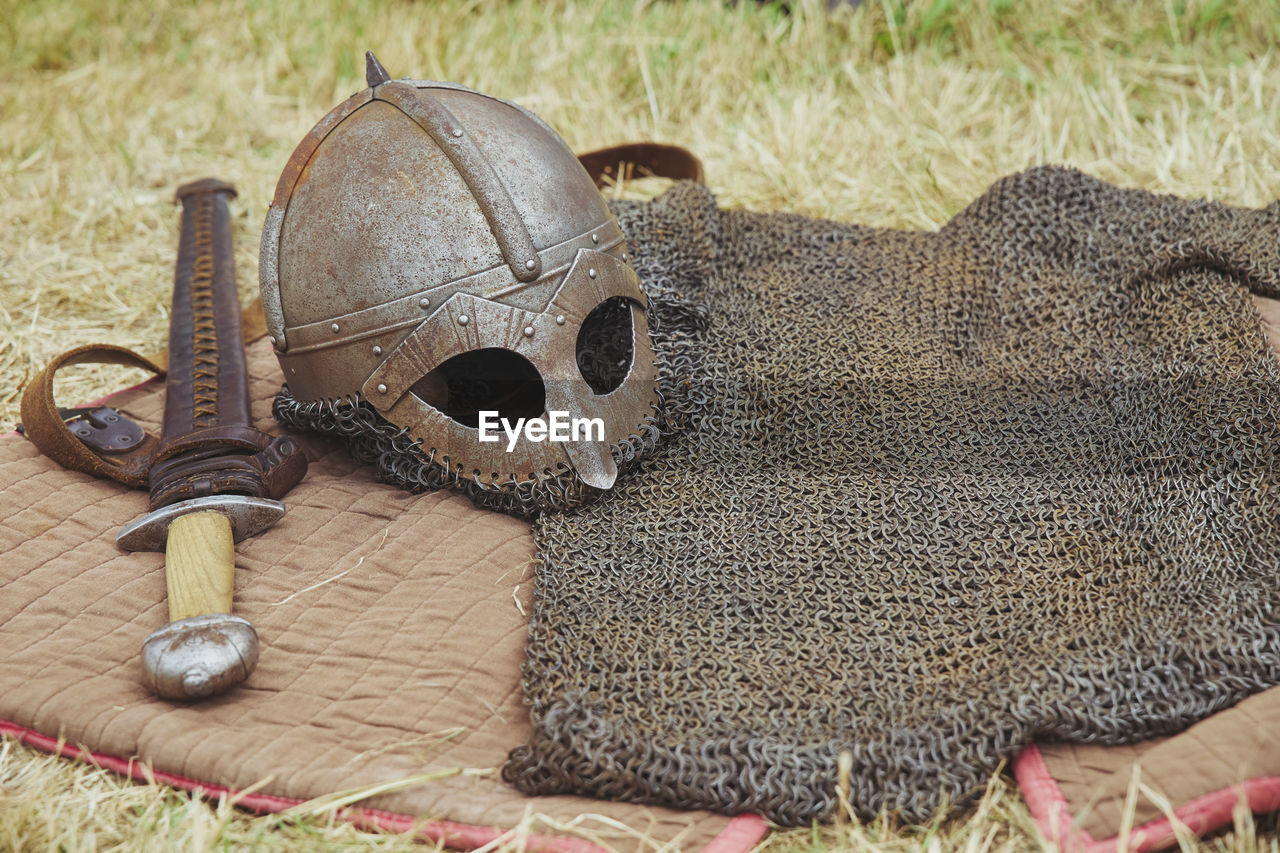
(204, 650)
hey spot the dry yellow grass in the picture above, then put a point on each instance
(889, 114)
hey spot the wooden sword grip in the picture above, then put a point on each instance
(199, 565)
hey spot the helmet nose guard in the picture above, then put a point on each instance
(419, 222)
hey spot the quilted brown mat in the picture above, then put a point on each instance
(393, 633)
(392, 626)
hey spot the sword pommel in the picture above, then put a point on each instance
(200, 656)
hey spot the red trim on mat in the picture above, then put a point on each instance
(740, 835)
(1047, 804)
(1203, 814)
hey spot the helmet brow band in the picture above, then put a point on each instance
(495, 202)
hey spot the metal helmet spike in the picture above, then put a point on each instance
(374, 73)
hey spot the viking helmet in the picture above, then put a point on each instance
(434, 253)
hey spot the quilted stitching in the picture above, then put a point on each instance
(416, 631)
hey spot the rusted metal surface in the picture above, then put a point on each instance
(200, 656)
(420, 221)
(505, 223)
(467, 323)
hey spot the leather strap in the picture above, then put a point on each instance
(43, 423)
(641, 160)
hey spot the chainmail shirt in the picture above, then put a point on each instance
(937, 494)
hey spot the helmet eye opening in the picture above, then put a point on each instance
(484, 380)
(605, 349)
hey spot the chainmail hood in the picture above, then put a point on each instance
(940, 494)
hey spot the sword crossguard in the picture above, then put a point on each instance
(248, 516)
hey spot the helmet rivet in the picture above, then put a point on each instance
(463, 319)
(424, 302)
(624, 256)
(382, 389)
(528, 331)
(591, 272)
(334, 327)
(559, 319)
(457, 133)
(530, 264)
(377, 350)
(595, 238)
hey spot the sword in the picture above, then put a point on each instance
(214, 480)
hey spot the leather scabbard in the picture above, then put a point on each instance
(209, 446)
